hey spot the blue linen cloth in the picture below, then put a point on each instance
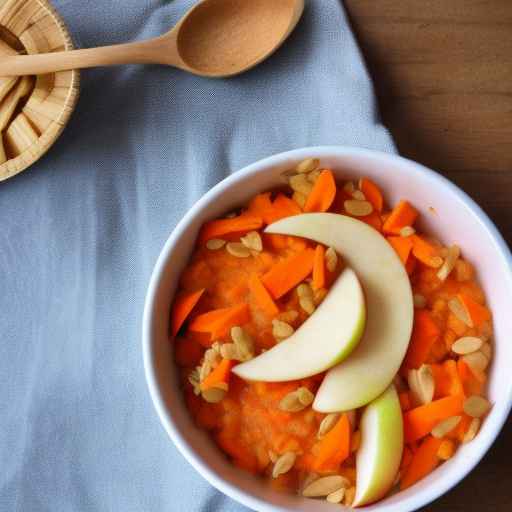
(81, 230)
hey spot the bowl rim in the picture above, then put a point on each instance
(414, 502)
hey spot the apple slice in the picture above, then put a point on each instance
(389, 307)
(323, 340)
(379, 455)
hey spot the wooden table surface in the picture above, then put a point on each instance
(443, 74)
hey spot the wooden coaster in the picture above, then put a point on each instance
(36, 121)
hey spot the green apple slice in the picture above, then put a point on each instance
(379, 455)
(323, 340)
(389, 307)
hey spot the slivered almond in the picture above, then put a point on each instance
(357, 194)
(307, 304)
(460, 311)
(327, 424)
(252, 240)
(299, 198)
(305, 396)
(300, 183)
(445, 426)
(193, 378)
(407, 231)
(313, 175)
(419, 300)
(451, 258)
(307, 165)
(304, 290)
(212, 355)
(291, 403)
(476, 406)
(238, 249)
(467, 345)
(243, 342)
(283, 464)
(324, 486)
(331, 259)
(476, 361)
(421, 384)
(215, 244)
(336, 496)
(472, 431)
(205, 370)
(358, 208)
(281, 330)
(229, 351)
(213, 395)
(349, 187)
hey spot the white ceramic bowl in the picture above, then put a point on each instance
(446, 212)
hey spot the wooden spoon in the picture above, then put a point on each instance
(215, 38)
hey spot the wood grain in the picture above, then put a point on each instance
(443, 74)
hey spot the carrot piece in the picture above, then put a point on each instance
(286, 274)
(406, 458)
(402, 246)
(460, 430)
(372, 220)
(220, 227)
(424, 334)
(282, 207)
(403, 214)
(323, 193)
(187, 352)
(218, 321)
(447, 379)
(183, 305)
(219, 375)
(471, 383)
(319, 268)
(424, 461)
(478, 313)
(424, 251)
(418, 422)
(260, 206)
(334, 447)
(372, 193)
(262, 297)
(405, 401)
(276, 242)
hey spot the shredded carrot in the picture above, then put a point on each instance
(183, 305)
(418, 422)
(220, 227)
(218, 321)
(403, 214)
(478, 313)
(447, 379)
(424, 333)
(319, 268)
(372, 220)
(262, 297)
(402, 246)
(424, 251)
(219, 375)
(423, 462)
(334, 447)
(405, 401)
(282, 207)
(372, 193)
(323, 193)
(283, 276)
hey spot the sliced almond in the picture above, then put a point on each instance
(300, 183)
(244, 343)
(252, 240)
(476, 406)
(308, 165)
(272, 456)
(193, 378)
(305, 396)
(214, 244)
(476, 361)
(336, 496)
(314, 175)
(205, 370)
(288, 316)
(229, 351)
(291, 403)
(213, 395)
(212, 355)
(452, 255)
(349, 187)
(467, 345)
(350, 494)
(299, 198)
(445, 426)
(421, 383)
(358, 208)
(283, 464)
(324, 486)
(407, 231)
(460, 311)
(304, 290)
(472, 431)
(281, 330)
(419, 300)
(238, 249)
(327, 424)
(307, 304)
(331, 259)
(357, 194)
(319, 295)
(486, 350)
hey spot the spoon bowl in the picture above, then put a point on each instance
(215, 38)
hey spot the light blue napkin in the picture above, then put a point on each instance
(81, 230)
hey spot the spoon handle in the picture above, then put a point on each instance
(139, 52)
